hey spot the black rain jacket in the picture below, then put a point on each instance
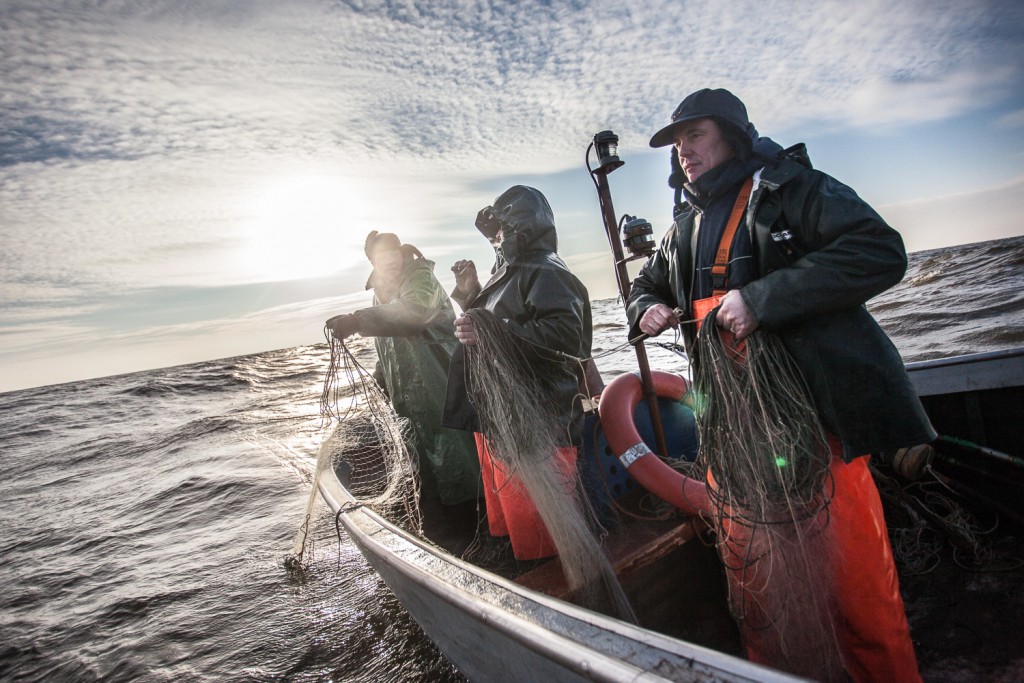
(820, 253)
(542, 302)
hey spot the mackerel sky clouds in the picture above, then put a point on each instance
(182, 181)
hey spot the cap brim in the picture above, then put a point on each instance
(665, 136)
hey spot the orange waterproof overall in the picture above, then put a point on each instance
(510, 510)
(871, 622)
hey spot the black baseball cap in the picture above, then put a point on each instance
(718, 104)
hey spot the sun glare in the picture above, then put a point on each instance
(303, 226)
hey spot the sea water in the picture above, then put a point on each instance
(145, 517)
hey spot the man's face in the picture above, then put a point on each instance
(700, 146)
(388, 263)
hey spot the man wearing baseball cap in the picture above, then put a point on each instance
(771, 244)
(411, 321)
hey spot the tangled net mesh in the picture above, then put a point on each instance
(511, 391)
(766, 461)
(367, 443)
(926, 515)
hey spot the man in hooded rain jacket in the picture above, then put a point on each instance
(806, 256)
(411, 321)
(534, 293)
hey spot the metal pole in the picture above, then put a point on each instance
(622, 277)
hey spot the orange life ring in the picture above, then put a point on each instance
(618, 401)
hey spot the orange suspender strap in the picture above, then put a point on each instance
(718, 271)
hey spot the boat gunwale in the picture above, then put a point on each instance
(557, 645)
(965, 359)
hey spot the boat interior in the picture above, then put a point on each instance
(667, 566)
(966, 607)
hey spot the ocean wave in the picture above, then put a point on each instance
(27, 432)
(956, 300)
(104, 446)
(188, 503)
(297, 365)
(149, 387)
(136, 608)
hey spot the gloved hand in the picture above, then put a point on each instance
(466, 279)
(343, 326)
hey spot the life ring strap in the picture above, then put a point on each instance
(634, 453)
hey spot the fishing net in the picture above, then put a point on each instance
(925, 514)
(766, 460)
(508, 387)
(367, 446)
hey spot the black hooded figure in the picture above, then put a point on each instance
(534, 293)
(539, 301)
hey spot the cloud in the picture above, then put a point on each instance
(886, 102)
(464, 83)
(141, 141)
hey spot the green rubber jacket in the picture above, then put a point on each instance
(820, 253)
(414, 331)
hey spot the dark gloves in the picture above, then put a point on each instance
(466, 279)
(343, 326)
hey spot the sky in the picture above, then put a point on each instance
(183, 181)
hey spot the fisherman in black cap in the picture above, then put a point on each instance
(412, 321)
(777, 246)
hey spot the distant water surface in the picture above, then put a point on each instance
(145, 516)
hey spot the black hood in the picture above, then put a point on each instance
(527, 223)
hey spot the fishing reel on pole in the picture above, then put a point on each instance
(638, 236)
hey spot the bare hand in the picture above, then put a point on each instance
(735, 316)
(466, 279)
(657, 319)
(465, 330)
